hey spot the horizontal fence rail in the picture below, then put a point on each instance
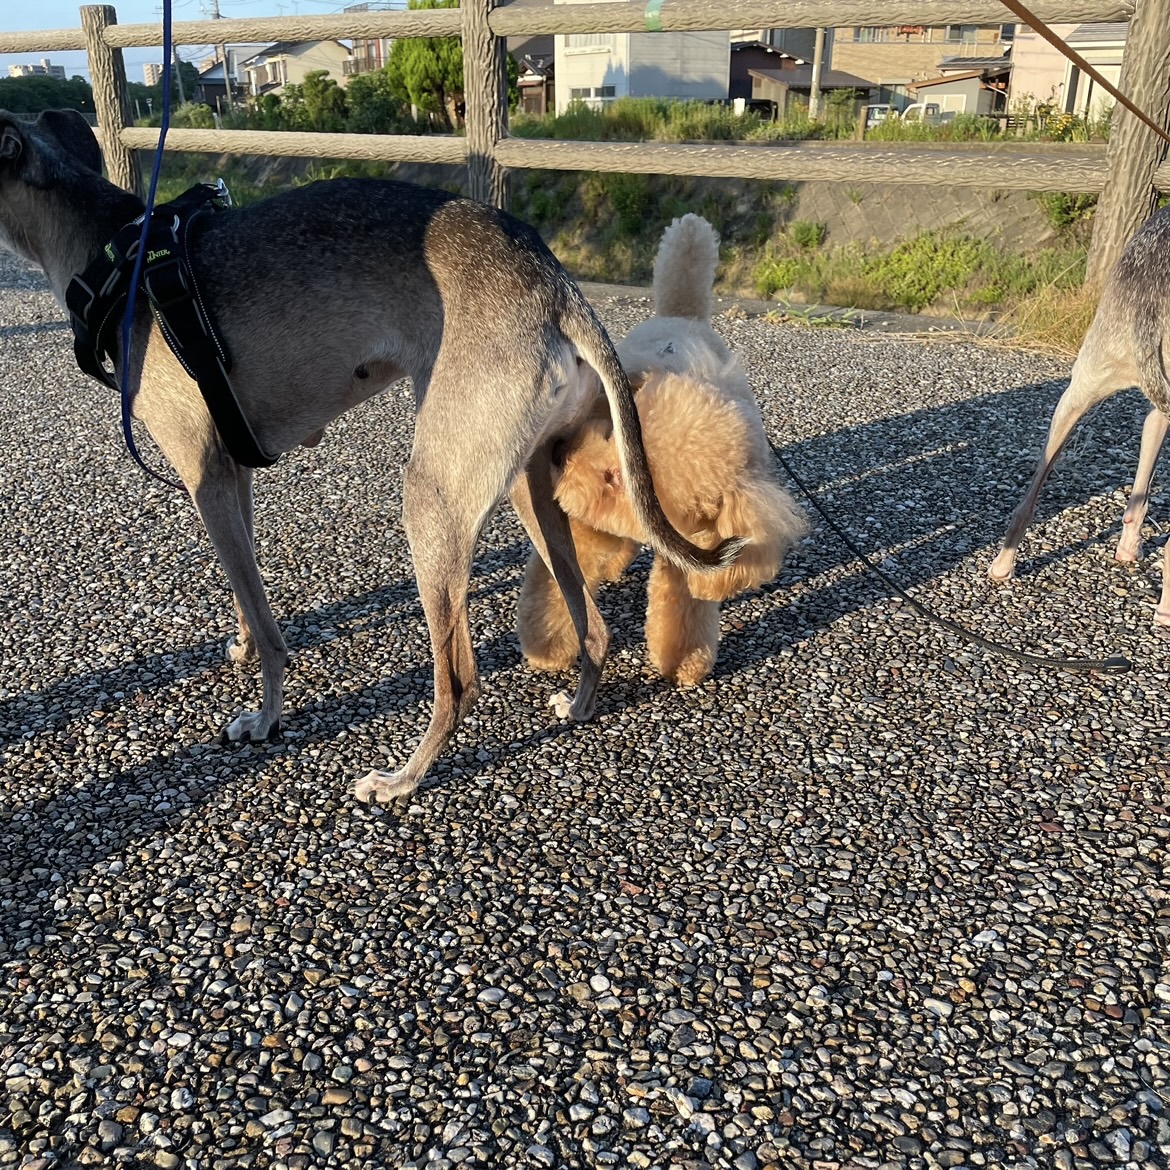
(418, 148)
(488, 151)
(1030, 170)
(524, 20)
(724, 15)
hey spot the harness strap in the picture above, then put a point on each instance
(96, 297)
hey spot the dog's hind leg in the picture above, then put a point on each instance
(548, 529)
(548, 638)
(1153, 435)
(443, 514)
(242, 647)
(1092, 382)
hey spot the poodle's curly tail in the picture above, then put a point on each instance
(684, 269)
(581, 326)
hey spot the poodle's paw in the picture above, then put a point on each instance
(694, 668)
(240, 651)
(251, 727)
(383, 787)
(1162, 617)
(1004, 565)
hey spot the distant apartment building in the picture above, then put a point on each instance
(45, 69)
(370, 53)
(152, 73)
(596, 68)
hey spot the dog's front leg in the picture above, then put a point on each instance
(217, 496)
(241, 648)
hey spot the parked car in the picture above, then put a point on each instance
(928, 112)
(874, 115)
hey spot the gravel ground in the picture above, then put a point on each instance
(865, 899)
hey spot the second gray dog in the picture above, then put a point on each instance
(1124, 347)
(324, 296)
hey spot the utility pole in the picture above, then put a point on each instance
(221, 49)
(814, 93)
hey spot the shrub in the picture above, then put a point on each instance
(807, 234)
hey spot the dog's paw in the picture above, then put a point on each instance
(1004, 566)
(383, 787)
(251, 727)
(694, 668)
(575, 709)
(239, 653)
(561, 703)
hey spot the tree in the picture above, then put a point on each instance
(324, 102)
(31, 95)
(374, 107)
(427, 72)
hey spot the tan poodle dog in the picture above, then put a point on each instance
(712, 470)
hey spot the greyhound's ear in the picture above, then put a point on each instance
(11, 139)
(74, 134)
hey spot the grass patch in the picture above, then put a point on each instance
(1053, 319)
(933, 270)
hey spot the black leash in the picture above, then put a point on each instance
(1116, 664)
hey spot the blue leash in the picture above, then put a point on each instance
(128, 318)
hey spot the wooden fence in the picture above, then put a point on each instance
(1128, 175)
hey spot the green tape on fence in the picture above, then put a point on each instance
(654, 15)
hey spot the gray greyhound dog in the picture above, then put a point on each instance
(324, 296)
(1123, 348)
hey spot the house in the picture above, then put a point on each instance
(796, 42)
(598, 67)
(370, 53)
(894, 56)
(784, 89)
(536, 85)
(288, 62)
(210, 88)
(967, 86)
(748, 56)
(1039, 72)
(1101, 45)
(1042, 76)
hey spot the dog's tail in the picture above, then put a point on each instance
(684, 269)
(584, 330)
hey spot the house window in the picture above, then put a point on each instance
(579, 95)
(962, 34)
(869, 35)
(602, 42)
(604, 91)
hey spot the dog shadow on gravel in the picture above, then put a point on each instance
(922, 493)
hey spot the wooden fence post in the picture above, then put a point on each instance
(485, 85)
(1135, 151)
(111, 97)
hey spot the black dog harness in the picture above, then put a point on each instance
(96, 300)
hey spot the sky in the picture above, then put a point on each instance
(24, 15)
